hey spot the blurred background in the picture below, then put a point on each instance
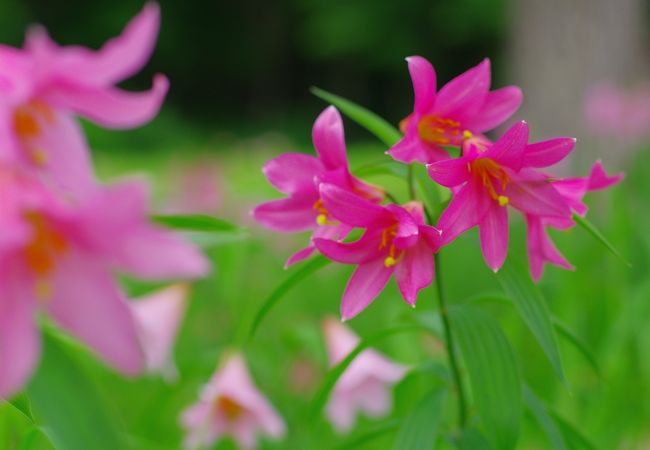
(240, 74)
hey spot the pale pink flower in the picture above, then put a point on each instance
(44, 86)
(231, 405)
(366, 384)
(158, 317)
(59, 257)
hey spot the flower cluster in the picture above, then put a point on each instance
(65, 235)
(486, 180)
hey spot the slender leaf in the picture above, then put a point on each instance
(600, 237)
(419, 430)
(573, 437)
(68, 403)
(320, 399)
(385, 167)
(383, 130)
(197, 222)
(368, 435)
(30, 438)
(532, 306)
(471, 439)
(296, 277)
(493, 372)
(579, 344)
(537, 408)
(23, 405)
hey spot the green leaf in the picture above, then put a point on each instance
(296, 277)
(30, 438)
(69, 404)
(386, 167)
(573, 437)
(197, 222)
(493, 373)
(600, 237)
(419, 430)
(542, 416)
(471, 439)
(23, 405)
(532, 306)
(578, 343)
(383, 130)
(368, 435)
(320, 399)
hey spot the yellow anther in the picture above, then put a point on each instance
(503, 200)
(467, 134)
(321, 219)
(390, 261)
(39, 157)
(43, 290)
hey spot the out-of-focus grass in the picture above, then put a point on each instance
(606, 303)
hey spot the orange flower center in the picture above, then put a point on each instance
(28, 120)
(387, 238)
(436, 130)
(229, 407)
(489, 172)
(323, 217)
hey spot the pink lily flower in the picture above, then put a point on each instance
(158, 317)
(396, 242)
(539, 245)
(366, 383)
(44, 86)
(464, 106)
(231, 405)
(298, 176)
(486, 179)
(59, 258)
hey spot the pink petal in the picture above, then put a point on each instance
(159, 316)
(350, 253)
(329, 139)
(541, 249)
(293, 172)
(423, 77)
(374, 398)
(300, 255)
(499, 105)
(19, 340)
(531, 192)
(111, 107)
(288, 214)
(494, 236)
(451, 172)
(87, 302)
(412, 149)
(366, 283)
(119, 58)
(341, 411)
(598, 178)
(509, 149)
(415, 271)
(466, 209)
(463, 96)
(352, 209)
(549, 152)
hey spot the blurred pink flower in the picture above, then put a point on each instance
(396, 241)
(366, 383)
(231, 405)
(488, 178)
(464, 105)
(59, 257)
(299, 175)
(623, 114)
(158, 317)
(540, 247)
(196, 189)
(44, 86)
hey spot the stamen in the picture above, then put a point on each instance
(229, 407)
(503, 200)
(390, 261)
(490, 172)
(437, 130)
(321, 219)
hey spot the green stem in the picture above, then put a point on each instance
(410, 181)
(449, 341)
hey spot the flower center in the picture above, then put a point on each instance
(28, 120)
(323, 217)
(46, 245)
(436, 130)
(489, 172)
(387, 238)
(229, 407)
